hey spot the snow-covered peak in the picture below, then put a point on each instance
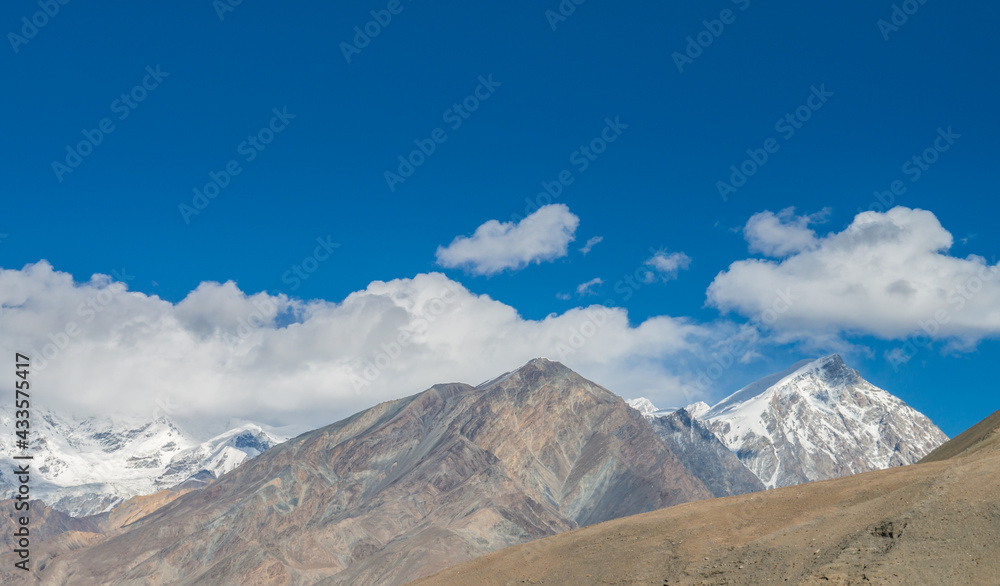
(698, 410)
(87, 465)
(819, 419)
(771, 381)
(646, 407)
(642, 405)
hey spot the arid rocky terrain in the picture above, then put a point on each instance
(936, 522)
(395, 492)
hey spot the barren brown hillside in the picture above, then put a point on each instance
(983, 436)
(929, 523)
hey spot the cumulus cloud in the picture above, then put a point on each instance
(588, 287)
(665, 266)
(782, 234)
(495, 247)
(222, 353)
(887, 274)
(591, 243)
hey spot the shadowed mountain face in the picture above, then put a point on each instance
(936, 522)
(705, 456)
(404, 489)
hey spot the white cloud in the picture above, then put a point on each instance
(782, 234)
(887, 274)
(665, 266)
(587, 288)
(591, 243)
(896, 356)
(495, 247)
(219, 353)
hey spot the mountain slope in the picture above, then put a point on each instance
(698, 448)
(930, 523)
(84, 467)
(704, 455)
(981, 437)
(819, 420)
(404, 489)
(46, 523)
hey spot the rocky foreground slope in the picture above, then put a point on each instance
(396, 492)
(931, 523)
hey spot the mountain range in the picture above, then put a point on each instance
(87, 466)
(412, 486)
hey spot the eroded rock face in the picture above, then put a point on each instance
(406, 488)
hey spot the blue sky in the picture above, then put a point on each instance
(888, 93)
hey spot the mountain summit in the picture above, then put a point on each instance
(819, 420)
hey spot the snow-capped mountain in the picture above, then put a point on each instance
(86, 466)
(818, 420)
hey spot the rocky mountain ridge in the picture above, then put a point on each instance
(403, 489)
